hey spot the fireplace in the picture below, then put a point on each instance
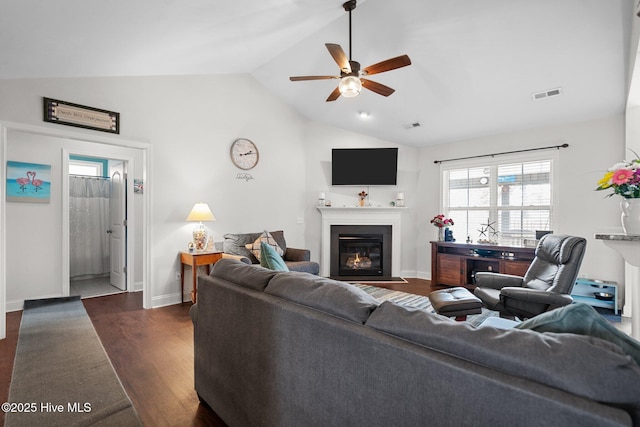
(361, 250)
(390, 217)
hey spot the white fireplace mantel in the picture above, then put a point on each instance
(361, 216)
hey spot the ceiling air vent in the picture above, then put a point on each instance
(411, 125)
(547, 93)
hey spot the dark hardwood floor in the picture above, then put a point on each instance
(152, 352)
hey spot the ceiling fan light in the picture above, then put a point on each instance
(350, 86)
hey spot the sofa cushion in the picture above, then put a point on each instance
(235, 243)
(248, 276)
(270, 259)
(327, 295)
(582, 319)
(545, 358)
(256, 245)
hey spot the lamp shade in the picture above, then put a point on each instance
(201, 212)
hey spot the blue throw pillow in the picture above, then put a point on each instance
(582, 319)
(270, 259)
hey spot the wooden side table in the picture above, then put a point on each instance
(195, 259)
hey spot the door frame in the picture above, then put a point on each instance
(146, 169)
(126, 157)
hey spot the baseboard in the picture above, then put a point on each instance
(138, 286)
(426, 275)
(15, 305)
(165, 300)
(18, 304)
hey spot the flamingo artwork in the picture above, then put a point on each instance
(28, 182)
(22, 182)
(37, 183)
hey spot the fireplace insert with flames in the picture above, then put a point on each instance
(360, 255)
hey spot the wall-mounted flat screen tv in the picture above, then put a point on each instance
(364, 166)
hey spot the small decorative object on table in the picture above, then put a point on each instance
(363, 197)
(448, 235)
(441, 222)
(489, 232)
(624, 179)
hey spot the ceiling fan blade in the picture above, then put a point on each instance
(339, 56)
(301, 78)
(334, 95)
(377, 87)
(388, 65)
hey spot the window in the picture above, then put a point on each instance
(85, 167)
(513, 197)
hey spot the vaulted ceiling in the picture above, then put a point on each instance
(475, 64)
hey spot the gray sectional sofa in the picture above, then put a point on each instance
(293, 349)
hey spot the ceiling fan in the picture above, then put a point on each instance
(351, 76)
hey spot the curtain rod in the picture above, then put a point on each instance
(565, 145)
(89, 176)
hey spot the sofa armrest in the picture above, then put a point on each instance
(294, 254)
(535, 296)
(237, 257)
(497, 280)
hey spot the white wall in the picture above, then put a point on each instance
(190, 122)
(594, 146)
(319, 140)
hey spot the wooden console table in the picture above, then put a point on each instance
(455, 264)
(195, 259)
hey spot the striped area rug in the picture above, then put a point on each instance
(417, 301)
(399, 297)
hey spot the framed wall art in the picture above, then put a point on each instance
(66, 113)
(28, 182)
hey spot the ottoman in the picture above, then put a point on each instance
(455, 302)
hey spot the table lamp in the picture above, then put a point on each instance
(200, 212)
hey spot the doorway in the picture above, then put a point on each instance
(51, 277)
(126, 260)
(97, 226)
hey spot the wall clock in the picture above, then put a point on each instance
(244, 154)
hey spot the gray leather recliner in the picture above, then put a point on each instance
(546, 285)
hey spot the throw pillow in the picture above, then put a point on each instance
(269, 240)
(270, 259)
(582, 319)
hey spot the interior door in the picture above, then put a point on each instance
(117, 229)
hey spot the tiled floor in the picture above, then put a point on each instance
(88, 288)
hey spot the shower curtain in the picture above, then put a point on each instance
(88, 225)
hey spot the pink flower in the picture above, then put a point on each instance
(621, 176)
(440, 221)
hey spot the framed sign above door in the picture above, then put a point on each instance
(66, 113)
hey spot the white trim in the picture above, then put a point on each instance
(3, 198)
(147, 257)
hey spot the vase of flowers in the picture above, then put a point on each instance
(363, 197)
(624, 179)
(442, 223)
